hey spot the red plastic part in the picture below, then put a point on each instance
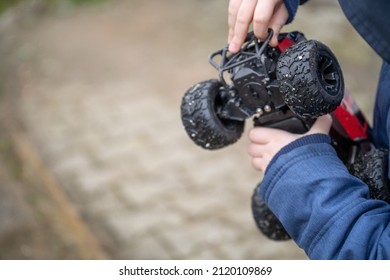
(285, 43)
(351, 119)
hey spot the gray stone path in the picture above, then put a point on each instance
(100, 91)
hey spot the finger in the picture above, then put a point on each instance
(234, 6)
(257, 136)
(322, 125)
(255, 150)
(278, 20)
(262, 16)
(274, 40)
(258, 164)
(262, 135)
(241, 27)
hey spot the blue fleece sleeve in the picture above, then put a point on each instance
(326, 210)
(308, 139)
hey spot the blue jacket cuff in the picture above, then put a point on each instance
(305, 140)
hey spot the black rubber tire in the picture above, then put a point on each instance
(266, 221)
(199, 116)
(372, 168)
(311, 81)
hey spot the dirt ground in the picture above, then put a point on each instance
(90, 111)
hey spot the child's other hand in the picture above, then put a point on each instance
(266, 142)
(263, 13)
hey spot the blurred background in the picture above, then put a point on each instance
(94, 161)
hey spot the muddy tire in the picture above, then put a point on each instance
(199, 116)
(311, 80)
(372, 168)
(266, 221)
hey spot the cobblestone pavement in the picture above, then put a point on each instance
(100, 91)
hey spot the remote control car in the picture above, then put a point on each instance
(285, 87)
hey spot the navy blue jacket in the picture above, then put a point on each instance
(327, 211)
(371, 18)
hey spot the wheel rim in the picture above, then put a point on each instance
(217, 103)
(328, 72)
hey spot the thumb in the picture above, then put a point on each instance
(321, 125)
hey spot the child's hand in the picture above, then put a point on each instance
(266, 142)
(263, 13)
